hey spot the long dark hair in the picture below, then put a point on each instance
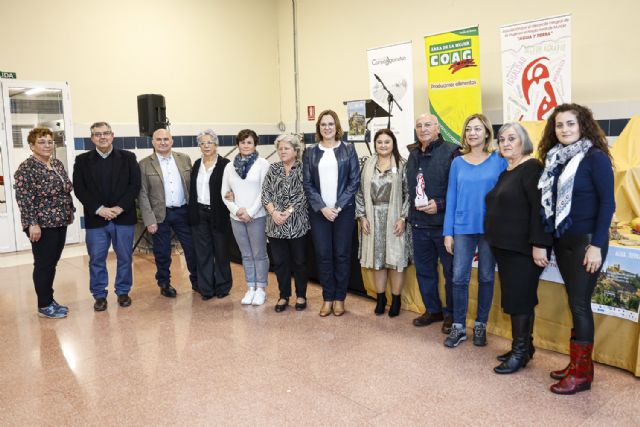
(589, 129)
(394, 151)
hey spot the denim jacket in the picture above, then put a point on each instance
(348, 175)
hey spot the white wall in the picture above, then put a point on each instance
(215, 61)
(335, 34)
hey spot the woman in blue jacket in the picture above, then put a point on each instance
(331, 181)
(471, 177)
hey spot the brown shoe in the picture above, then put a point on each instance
(326, 309)
(338, 308)
(428, 318)
(447, 324)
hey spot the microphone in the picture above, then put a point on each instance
(378, 78)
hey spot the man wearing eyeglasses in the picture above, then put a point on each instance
(107, 181)
(166, 176)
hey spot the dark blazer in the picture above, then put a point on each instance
(221, 221)
(125, 186)
(348, 175)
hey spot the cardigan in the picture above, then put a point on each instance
(468, 186)
(219, 209)
(513, 220)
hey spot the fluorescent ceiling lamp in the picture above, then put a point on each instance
(37, 90)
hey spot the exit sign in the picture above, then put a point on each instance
(7, 75)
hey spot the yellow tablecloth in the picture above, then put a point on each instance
(617, 341)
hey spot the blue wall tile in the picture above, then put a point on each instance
(129, 142)
(604, 124)
(616, 126)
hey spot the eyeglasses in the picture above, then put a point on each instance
(45, 142)
(207, 143)
(101, 134)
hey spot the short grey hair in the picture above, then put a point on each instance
(208, 132)
(527, 145)
(292, 139)
(99, 125)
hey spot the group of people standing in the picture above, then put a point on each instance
(437, 207)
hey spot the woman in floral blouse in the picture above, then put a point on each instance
(288, 220)
(43, 193)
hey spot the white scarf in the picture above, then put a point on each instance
(556, 210)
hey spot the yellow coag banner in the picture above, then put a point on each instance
(453, 70)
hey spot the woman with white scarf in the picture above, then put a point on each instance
(382, 206)
(578, 203)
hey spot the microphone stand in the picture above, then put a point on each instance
(390, 99)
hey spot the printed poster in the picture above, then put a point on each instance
(453, 73)
(536, 68)
(357, 120)
(617, 290)
(394, 66)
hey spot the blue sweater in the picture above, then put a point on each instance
(592, 201)
(468, 186)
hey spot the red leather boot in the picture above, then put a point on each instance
(558, 375)
(580, 377)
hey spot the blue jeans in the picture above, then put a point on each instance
(252, 242)
(98, 241)
(176, 219)
(332, 242)
(464, 248)
(428, 246)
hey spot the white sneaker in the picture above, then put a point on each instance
(248, 297)
(260, 297)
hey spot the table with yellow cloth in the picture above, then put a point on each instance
(617, 341)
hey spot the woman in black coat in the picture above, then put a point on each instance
(209, 219)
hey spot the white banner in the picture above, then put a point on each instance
(536, 68)
(394, 65)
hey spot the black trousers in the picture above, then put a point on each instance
(519, 277)
(212, 256)
(46, 254)
(288, 255)
(570, 250)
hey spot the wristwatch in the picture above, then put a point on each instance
(339, 209)
(290, 210)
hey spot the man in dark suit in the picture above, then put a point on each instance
(107, 181)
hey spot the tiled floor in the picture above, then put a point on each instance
(188, 362)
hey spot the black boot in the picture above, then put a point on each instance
(395, 305)
(381, 303)
(520, 328)
(532, 349)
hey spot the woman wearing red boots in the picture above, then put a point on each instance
(578, 203)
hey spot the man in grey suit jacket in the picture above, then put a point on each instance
(163, 199)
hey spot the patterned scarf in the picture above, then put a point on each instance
(243, 164)
(555, 210)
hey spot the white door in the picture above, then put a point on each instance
(25, 105)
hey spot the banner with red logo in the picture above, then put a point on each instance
(536, 68)
(453, 72)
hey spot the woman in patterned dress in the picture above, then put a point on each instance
(287, 220)
(382, 206)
